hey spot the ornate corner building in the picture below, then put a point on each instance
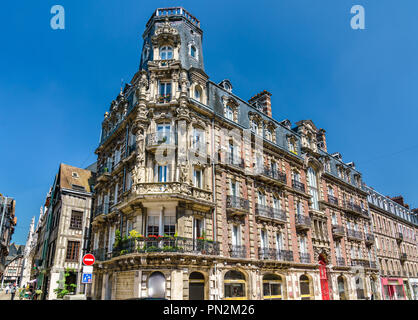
(203, 195)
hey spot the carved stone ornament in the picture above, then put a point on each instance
(166, 34)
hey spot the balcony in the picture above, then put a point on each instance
(268, 213)
(163, 139)
(237, 205)
(104, 172)
(159, 244)
(274, 254)
(340, 262)
(354, 235)
(101, 209)
(270, 175)
(338, 231)
(302, 222)
(363, 263)
(298, 186)
(399, 236)
(234, 161)
(164, 98)
(332, 200)
(369, 238)
(356, 209)
(305, 257)
(403, 257)
(237, 251)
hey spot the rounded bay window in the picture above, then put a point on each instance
(166, 53)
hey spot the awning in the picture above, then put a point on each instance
(32, 281)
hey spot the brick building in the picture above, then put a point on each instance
(203, 195)
(395, 228)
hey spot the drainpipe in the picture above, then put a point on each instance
(213, 182)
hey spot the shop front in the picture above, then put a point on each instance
(393, 289)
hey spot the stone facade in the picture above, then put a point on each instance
(202, 195)
(8, 222)
(395, 227)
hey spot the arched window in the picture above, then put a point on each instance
(156, 285)
(196, 286)
(313, 188)
(193, 51)
(305, 288)
(234, 285)
(341, 288)
(197, 93)
(166, 53)
(272, 287)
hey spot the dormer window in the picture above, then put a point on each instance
(269, 136)
(166, 53)
(254, 126)
(292, 145)
(197, 93)
(229, 113)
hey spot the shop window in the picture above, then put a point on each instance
(305, 288)
(272, 287)
(234, 285)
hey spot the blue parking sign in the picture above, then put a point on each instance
(87, 278)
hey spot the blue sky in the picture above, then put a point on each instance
(359, 85)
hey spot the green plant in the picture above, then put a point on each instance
(65, 288)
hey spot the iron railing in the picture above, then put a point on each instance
(369, 237)
(302, 220)
(353, 234)
(236, 251)
(274, 174)
(337, 230)
(355, 208)
(160, 138)
(271, 213)
(332, 200)
(234, 160)
(159, 244)
(305, 257)
(101, 209)
(233, 202)
(275, 254)
(298, 185)
(340, 261)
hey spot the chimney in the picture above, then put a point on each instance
(399, 200)
(262, 102)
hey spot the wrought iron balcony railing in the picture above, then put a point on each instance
(234, 160)
(237, 203)
(275, 254)
(273, 174)
(270, 213)
(302, 221)
(101, 209)
(159, 244)
(340, 261)
(355, 208)
(164, 98)
(369, 238)
(160, 138)
(338, 230)
(363, 263)
(353, 234)
(236, 251)
(298, 185)
(305, 257)
(332, 200)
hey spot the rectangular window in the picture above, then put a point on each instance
(129, 181)
(162, 173)
(169, 225)
(163, 133)
(115, 199)
(279, 241)
(197, 178)
(198, 139)
(73, 247)
(236, 237)
(165, 91)
(76, 221)
(198, 228)
(264, 242)
(153, 226)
